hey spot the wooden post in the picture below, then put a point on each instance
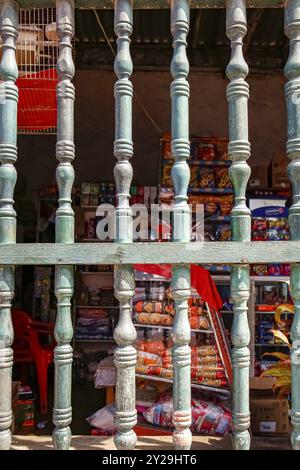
(292, 92)
(180, 145)
(239, 152)
(124, 334)
(9, 22)
(64, 229)
(251, 315)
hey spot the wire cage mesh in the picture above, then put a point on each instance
(36, 55)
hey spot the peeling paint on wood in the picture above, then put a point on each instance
(239, 152)
(148, 253)
(180, 146)
(64, 227)
(124, 334)
(8, 154)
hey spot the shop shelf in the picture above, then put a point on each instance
(97, 306)
(202, 162)
(272, 345)
(139, 325)
(210, 191)
(199, 386)
(100, 340)
(218, 218)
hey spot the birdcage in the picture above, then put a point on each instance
(36, 54)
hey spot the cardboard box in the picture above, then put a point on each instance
(259, 177)
(269, 416)
(279, 170)
(25, 414)
(262, 387)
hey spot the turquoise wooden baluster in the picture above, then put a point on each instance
(180, 91)
(124, 334)
(9, 23)
(239, 152)
(64, 230)
(292, 91)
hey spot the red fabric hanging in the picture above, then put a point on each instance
(37, 108)
(201, 280)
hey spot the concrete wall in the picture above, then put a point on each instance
(94, 124)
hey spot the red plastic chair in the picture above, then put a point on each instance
(28, 348)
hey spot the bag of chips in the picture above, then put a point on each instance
(206, 178)
(222, 178)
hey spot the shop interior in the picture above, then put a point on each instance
(95, 310)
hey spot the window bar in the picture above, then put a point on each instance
(9, 23)
(64, 227)
(180, 147)
(239, 152)
(124, 284)
(292, 92)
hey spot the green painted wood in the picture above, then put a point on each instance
(64, 227)
(148, 4)
(180, 146)
(292, 91)
(239, 152)
(124, 334)
(8, 154)
(147, 253)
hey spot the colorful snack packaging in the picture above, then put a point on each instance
(226, 204)
(167, 176)
(259, 269)
(223, 232)
(166, 146)
(194, 176)
(221, 149)
(222, 179)
(206, 178)
(206, 151)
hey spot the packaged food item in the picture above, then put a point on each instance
(221, 149)
(259, 269)
(166, 195)
(223, 232)
(194, 176)
(286, 269)
(207, 417)
(275, 270)
(94, 200)
(226, 204)
(211, 204)
(166, 146)
(206, 178)
(222, 179)
(259, 229)
(167, 176)
(150, 307)
(85, 188)
(95, 188)
(206, 151)
(84, 200)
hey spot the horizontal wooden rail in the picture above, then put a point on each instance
(148, 253)
(151, 4)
